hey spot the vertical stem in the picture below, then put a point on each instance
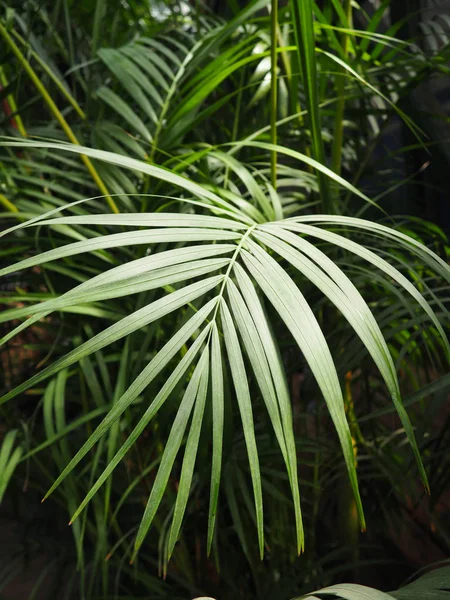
(302, 12)
(336, 157)
(273, 89)
(57, 114)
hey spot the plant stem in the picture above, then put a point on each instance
(57, 114)
(336, 157)
(273, 89)
(303, 22)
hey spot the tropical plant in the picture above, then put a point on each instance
(235, 273)
(433, 584)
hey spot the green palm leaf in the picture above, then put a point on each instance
(250, 267)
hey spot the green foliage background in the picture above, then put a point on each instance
(224, 349)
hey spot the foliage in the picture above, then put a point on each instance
(205, 270)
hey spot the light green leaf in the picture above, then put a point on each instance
(171, 450)
(350, 591)
(217, 399)
(279, 378)
(152, 370)
(373, 259)
(190, 454)
(151, 411)
(119, 286)
(255, 352)
(116, 240)
(341, 291)
(149, 220)
(435, 261)
(127, 325)
(135, 165)
(240, 380)
(292, 307)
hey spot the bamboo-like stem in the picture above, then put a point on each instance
(336, 156)
(57, 114)
(273, 89)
